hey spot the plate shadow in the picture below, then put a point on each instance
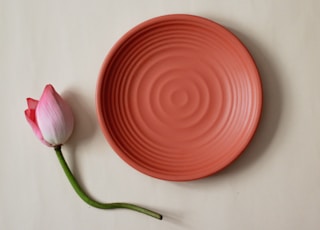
(271, 109)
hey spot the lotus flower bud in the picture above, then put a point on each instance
(51, 117)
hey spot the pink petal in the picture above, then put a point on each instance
(32, 103)
(30, 115)
(54, 117)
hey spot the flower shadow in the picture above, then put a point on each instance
(84, 129)
(85, 121)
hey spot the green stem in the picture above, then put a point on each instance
(94, 203)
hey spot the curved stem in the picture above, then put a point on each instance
(94, 203)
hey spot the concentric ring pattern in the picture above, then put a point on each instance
(179, 97)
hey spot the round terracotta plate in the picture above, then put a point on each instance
(179, 97)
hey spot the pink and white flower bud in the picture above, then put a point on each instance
(51, 117)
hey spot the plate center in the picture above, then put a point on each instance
(179, 98)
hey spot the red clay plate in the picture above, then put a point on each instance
(179, 97)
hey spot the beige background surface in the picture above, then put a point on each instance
(274, 185)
